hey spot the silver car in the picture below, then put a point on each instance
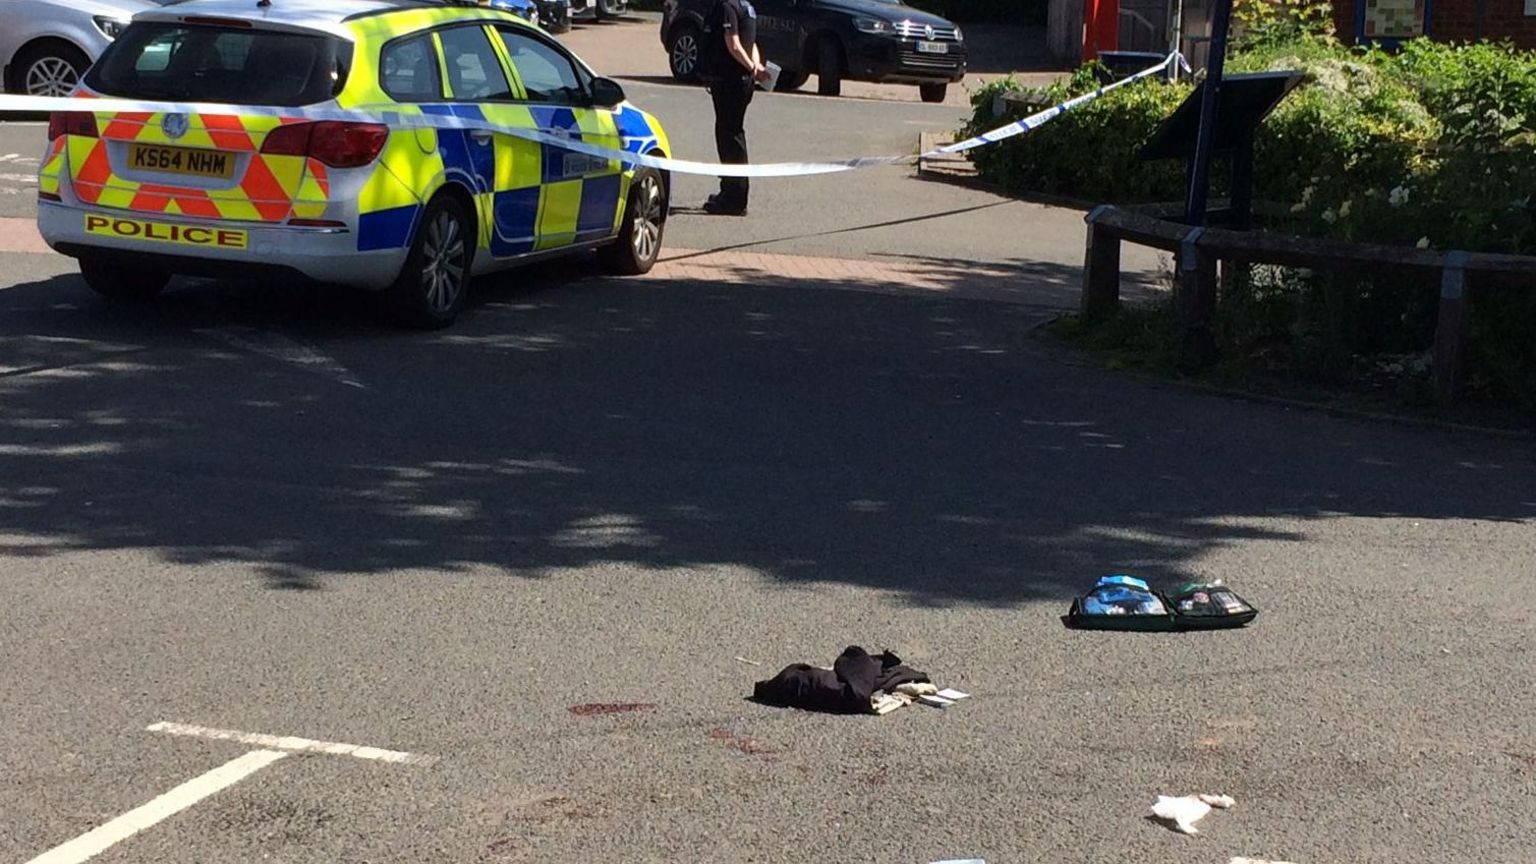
(46, 45)
(598, 10)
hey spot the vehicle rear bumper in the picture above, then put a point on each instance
(322, 254)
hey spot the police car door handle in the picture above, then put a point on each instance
(481, 135)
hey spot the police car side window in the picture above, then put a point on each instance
(546, 73)
(408, 70)
(474, 70)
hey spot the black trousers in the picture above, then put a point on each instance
(732, 96)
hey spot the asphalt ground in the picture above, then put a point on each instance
(259, 507)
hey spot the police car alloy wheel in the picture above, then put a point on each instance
(646, 221)
(645, 218)
(51, 71)
(432, 284)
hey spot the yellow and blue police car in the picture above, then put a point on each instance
(140, 196)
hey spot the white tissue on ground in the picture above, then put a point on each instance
(1182, 813)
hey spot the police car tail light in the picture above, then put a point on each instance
(335, 143)
(81, 123)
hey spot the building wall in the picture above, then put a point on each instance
(1456, 20)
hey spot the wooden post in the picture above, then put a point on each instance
(1064, 33)
(1101, 271)
(1196, 294)
(1451, 329)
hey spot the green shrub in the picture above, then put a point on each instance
(1433, 146)
(1261, 23)
(1050, 159)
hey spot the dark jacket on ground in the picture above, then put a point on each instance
(846, 688)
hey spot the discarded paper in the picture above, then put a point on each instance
(1181, 814)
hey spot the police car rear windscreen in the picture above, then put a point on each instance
(229, 65)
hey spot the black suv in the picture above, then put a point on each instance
(863, 40)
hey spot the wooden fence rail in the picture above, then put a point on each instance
(1199, 251)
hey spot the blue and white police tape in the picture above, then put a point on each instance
(391, 116)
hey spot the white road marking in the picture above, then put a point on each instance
(289, 743)
(18, 159)
(98, 839)
(19, 178)
(282, 348)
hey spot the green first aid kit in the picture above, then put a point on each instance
(1122, 602)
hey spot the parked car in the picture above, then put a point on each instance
(553, 15)
(596, 10)
(883, 41)
(46, 45)
(137, 196)
(527, 10)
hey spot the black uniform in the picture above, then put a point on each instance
(731, 85)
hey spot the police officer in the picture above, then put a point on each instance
(731, 66)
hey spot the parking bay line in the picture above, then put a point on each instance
(273, 748)
(98, 839)
(292, 744)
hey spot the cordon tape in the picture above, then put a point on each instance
(389, 116)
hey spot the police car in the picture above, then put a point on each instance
(139, 196)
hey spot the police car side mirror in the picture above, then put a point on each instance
(606, 93)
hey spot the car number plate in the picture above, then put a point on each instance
(933, 48)
(181, 160)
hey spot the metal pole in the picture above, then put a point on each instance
(1200, 172)
(1176, 39)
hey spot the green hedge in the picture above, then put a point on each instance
(1434, 146)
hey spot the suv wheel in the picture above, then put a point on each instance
(122, 282)
(829, 66)
(683, 52)
(932, 92)
(429, 292)
(645, 218)
(50, 69)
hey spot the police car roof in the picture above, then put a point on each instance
(316, 14)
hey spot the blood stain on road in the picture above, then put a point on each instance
(740, 743)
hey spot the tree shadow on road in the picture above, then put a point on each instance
(907, 442)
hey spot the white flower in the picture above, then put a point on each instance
(1330, 217)
(1297, 208)
(1423, 243)
(1398, 197)
(1344, 208)
(1306, 194)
